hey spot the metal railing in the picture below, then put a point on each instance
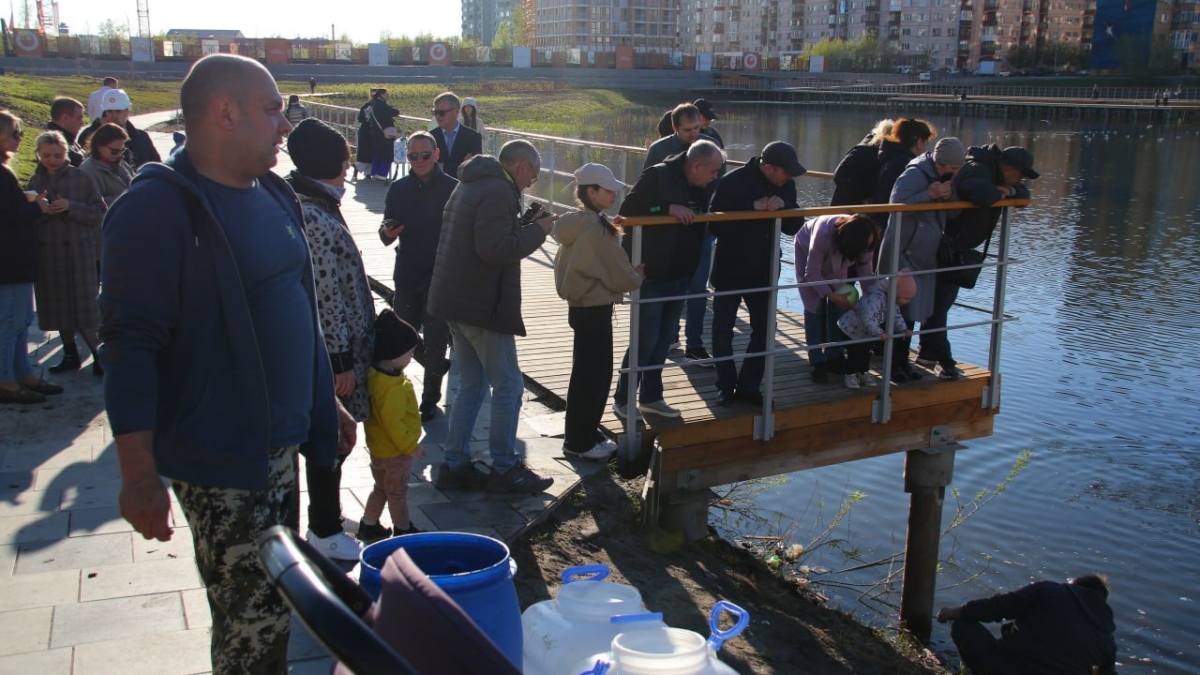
(764, 423)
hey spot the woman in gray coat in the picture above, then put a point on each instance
(105, 162)
(68, 282)
(926, 179)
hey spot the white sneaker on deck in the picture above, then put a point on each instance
(868, 380)
(622, 411)
(340, 546)
(851, 380)
(597, 453)
(660, 408)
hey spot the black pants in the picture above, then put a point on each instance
(936, 346)
(409, 304)
(324, 498)
(858, 357)
(725, 308)
(591, 373)
(980, 650)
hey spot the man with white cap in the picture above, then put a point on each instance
(742, 260)
(114, 109)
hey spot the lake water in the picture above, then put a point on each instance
(1101, 383)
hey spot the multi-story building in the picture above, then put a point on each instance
(603, 25)
(481, 18)
(1185, 27)
(770, 27)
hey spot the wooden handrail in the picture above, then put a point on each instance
(642, 221)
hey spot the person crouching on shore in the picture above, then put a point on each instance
(592, 273)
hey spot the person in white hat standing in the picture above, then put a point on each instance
(592, 273)
(114, 109)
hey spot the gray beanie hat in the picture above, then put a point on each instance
(950, 151)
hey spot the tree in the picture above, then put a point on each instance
(1020, 56)
(505, 35)
(525, 22)
(111, 30)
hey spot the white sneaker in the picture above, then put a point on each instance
(620, 411)
(851, 380)
(926, 361)
(340, 546)
(660, 408)
(868, 380)
(608, 443)
(597, 453)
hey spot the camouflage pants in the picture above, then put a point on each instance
(250, 622)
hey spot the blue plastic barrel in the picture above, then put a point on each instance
(474, 570)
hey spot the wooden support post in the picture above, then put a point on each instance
(926, 475)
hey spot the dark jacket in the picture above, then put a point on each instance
(418, 206)
(477, 276)
(742, 258)
(855, 176)
(893, 158)
(1058, 629)
(661, 149)
(669, 251)
(467, 141)
(977, 182)
(179, 352)
(139, 149)
(18, 232)
(74, 151)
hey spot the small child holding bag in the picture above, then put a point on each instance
(392, 430)
(868, 319)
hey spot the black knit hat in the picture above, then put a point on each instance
(393, 337)
(317, 149)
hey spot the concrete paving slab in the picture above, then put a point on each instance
(36, 527)
(15, 482)
(138, 617)
(8, 559)
(83, 475)
(25, 630)
(45, 662)
(20, 459)
(102, 520)
(143, 578)
(30, 502)
(82, 495)
(178, 547)
(550, 424)
(27, 591)
(457, 515)
(74, 553)
(184, 652)
(195, 608)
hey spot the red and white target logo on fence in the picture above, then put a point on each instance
(28, 43)
(439, 54)
(750, 61)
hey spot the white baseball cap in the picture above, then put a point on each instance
(598, 174)
(114, 99)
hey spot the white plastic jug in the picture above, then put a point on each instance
(587, 614)
(667, 651)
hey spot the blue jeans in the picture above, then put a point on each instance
(485, 358)
(821, 326)
(658, 325)
(694, 328)
(16, 315)
(725, 309)
(381, 167)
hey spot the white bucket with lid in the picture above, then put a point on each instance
(582, 620)
(667, 651)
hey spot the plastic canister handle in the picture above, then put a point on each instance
(634, 618)
(585, 572)
(720, 636)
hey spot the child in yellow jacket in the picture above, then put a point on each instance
(393, 428)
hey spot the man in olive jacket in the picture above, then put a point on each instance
(476, 289)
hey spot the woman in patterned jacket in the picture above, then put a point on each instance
(69, 232)
(344, 303)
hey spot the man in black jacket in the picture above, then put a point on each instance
(412, 213)
(456, 143)
(989, 175)
(114, 109)
(1056, 629)
(66, 116)
(681, 186)
(743, 260)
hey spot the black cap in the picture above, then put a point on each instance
(393, 337)
(317, 149)
(705, 108)
(1020, 159)
(783, 155)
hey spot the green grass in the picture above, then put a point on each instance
(30, 97)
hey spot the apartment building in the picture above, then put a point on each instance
(603, 25)
(481, 18)
(769, 27)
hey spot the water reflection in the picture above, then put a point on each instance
(1100, 381)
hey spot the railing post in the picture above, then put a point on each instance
(633, 442)
(553, 163)
(764, 426)
(991, 395)
(881, 408)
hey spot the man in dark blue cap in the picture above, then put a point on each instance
(742, 257)
(707, 117)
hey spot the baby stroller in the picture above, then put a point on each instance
(414, 629)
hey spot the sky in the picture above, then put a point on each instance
(259, 19)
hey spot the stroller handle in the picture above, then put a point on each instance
(328, 603)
